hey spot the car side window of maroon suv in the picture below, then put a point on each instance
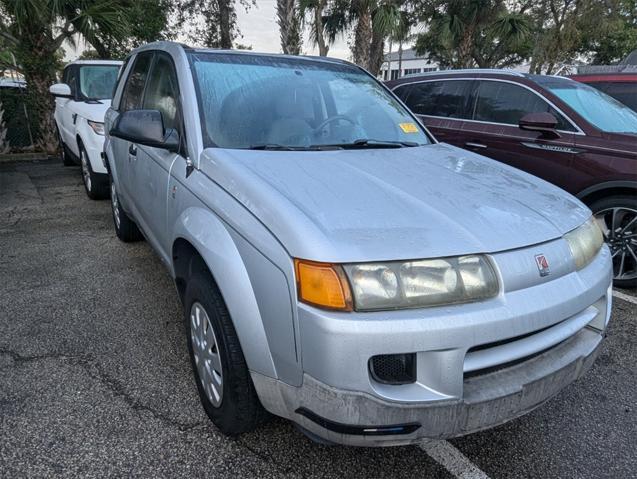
(502, 102)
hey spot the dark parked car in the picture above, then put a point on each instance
(621, 86)
(553, 127)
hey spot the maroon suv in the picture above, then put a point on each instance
(558, 129)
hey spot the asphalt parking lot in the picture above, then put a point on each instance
(95, 379)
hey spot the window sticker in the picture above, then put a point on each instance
(408, 127)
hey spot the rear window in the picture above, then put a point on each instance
(450, 99)
(625, 92)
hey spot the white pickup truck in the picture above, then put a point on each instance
(80, 103)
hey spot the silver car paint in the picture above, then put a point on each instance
(248, 213)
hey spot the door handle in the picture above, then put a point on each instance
(132, 149)
(472, 144)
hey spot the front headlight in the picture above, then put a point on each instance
(96, 126)
(585, 242)
(421, 283)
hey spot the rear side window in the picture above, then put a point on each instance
(134, 88)
(450, 99)
(162, 92)
(500, 102)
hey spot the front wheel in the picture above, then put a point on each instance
(619, 214)
(125, 228)
(221, 373)
(95, 185)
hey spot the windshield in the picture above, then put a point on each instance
(254, 101)
(596, 107)
(97, 81)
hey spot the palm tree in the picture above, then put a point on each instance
(35, 31)
(372, 20)
(314, 9)
(289, 20)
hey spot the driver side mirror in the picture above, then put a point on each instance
(145, 127)
(61, 90)
(543, 122)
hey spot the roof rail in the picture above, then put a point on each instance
(466, 70)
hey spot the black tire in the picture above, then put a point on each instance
(96, 186)
(125, 228)
(624, 202)
(240, 409)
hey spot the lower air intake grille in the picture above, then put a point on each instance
(393, 368)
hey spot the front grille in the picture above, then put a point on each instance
(393, 368)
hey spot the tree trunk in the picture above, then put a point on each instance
(225, 24)
(289, 26)
(39, 65)
(376, 53)
(400, 57)
(318, 25)
(361, 50)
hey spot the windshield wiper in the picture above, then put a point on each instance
(368, 143)
(272, 146)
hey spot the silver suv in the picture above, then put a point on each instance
(339, 267)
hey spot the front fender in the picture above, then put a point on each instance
(208, 234)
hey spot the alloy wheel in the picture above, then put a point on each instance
(206, 352)
(621, 236)
(86, 174)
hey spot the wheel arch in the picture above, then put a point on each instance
(606, 189)
(202, 238)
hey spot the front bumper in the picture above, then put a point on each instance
(478, 365)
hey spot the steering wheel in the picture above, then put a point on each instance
(331, 120)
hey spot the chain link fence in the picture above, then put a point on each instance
(17, 129)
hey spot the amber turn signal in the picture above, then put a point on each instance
(323, 285)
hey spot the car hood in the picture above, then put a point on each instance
(92, 111)
(384, 204)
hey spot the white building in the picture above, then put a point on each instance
(410, 64)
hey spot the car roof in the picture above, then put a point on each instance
(95, 62)
(171, 46)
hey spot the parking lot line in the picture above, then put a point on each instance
(625, 297)
(453, 460)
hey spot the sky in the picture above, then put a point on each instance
(258, 28)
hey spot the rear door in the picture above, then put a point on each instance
(125, 152)
(151, 170)
(442, 105)
(493, 131)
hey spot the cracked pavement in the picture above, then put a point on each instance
(95, 379)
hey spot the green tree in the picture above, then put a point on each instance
(215, 21)
(474, 33)
(372, 21)
(35, 31)
(147, 21)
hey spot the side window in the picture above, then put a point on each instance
(134, 88)
(162, 92)
(117, 99)
(70, 78)
(438, 98)
(500, 102)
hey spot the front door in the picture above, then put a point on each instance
(152, 168)
(125, 153)
(65, 110)
(493, 131)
